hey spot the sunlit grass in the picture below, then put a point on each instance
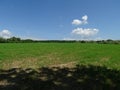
(36, 55)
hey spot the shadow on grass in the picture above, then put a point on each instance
(55, 78)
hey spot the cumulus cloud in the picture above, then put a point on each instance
(76, 22)
(5, 34)
(80, 22)
(85, 33)
(82, 33)
(85, 18)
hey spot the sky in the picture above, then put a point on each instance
(60, 19)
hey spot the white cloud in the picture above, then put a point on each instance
(85, 17)
(98, 38)
(32, 38)
(85, 33)
(76, 22)
(5, 34)
(68, 39)
(80, 22)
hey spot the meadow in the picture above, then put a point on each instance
(59, 66)
(34, 55)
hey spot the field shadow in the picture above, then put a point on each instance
(80, 77)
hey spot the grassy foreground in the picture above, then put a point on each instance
(35, 55)
(52, 66)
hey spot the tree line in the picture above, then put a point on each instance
(19, 40)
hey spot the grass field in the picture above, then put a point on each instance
(34, 55)
(52, 66)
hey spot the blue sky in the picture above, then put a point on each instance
(60, 19)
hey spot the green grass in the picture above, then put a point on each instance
(29, 66)
(36, 55)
